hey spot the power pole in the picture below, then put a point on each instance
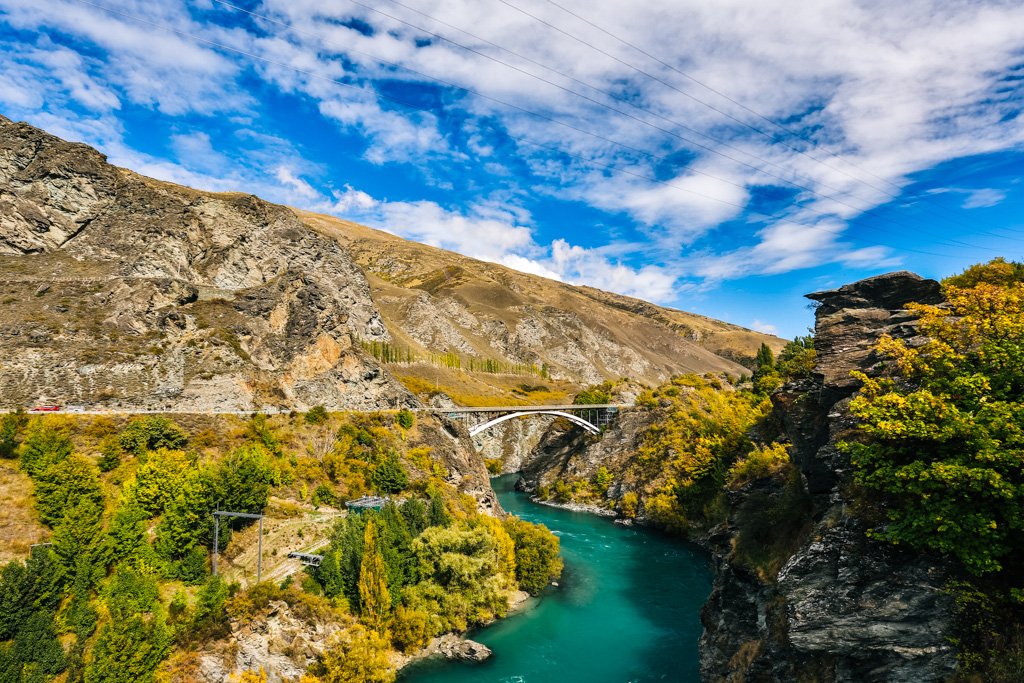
(216, 538)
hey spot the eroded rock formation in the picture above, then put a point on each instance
(843, 607)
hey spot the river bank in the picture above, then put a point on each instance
(626, 609)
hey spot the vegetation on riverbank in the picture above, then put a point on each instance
(703, 436)
(123, 591)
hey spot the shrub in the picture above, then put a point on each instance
(757, 464)
(405, 418)
(316, 415)
(143, 434)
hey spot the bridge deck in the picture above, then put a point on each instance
(510, 409)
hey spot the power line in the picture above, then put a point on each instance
(598, 136)
(722, 112)
(409, 105)
(723, 95)
(787, 181)
(608, 94)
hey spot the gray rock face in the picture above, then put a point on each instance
(850, 320)
(843, 608)
(453, 647)
(119, 290)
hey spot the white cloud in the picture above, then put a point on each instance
(883, 90)
(979, 199)
(767, 328)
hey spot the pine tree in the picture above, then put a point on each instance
(44, 445)
(390, 476)
(439, 515)
(374, 598)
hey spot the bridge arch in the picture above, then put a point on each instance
(575, 419)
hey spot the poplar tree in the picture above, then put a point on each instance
(374, 598)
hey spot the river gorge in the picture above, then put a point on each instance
(627, 608)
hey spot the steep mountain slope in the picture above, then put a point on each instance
(433, 300)
(120, 290)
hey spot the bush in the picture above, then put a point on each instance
(758, 464)
(317, 415)
(143, 434)
(405, 418)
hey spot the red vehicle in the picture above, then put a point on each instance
(46, 409)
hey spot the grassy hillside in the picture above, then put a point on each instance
(481, 330)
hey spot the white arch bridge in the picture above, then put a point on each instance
(590, 417)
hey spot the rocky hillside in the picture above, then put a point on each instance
(434, 300)
(119, 290)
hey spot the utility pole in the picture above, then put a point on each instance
(216, 538)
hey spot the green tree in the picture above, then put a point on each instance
(374, 597)
(78, 539)
(389, 475)
(36, 643)
(44, 445)
(797, 358)
(243, 480)
(942, 442)
(130, 591)
(129, 649)
(414, 512)
(187, 523)
(317, 415)
(537, 554)
(766, 377)
(158, 478)
(150, 433)
(210, 600)
(126, 538)
(62, 485)
(438, 515)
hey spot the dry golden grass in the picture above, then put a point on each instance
(19, 525)
(479, 389)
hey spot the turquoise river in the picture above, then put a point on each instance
(627, 609)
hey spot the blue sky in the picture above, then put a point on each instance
(720, 157)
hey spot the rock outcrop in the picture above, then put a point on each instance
(843, 607)
(121, 291)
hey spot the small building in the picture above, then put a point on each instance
(367, 503)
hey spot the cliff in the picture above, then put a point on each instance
(843, 607)
(800, 592)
